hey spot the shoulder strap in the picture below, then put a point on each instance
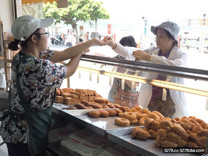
(16, 62)
(23, 100)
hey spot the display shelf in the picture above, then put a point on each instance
(114, 133)
(143, 147)
(100, 126)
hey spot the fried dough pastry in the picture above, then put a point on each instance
(202, 141)
(162, 133)
(178, 129)
(173, 137)
(168, 144)
(166, 124)
(145, 110)
(140, 133)
(182, 143)
(192, 145)
(153, 133)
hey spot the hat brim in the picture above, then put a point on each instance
(45, 22)
(154, 30)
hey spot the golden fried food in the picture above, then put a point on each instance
(197, 129)
(203, 132)
(101, 100)
(140, 133)
(122, 121)
(96, 106)
(166, 124)
(178, 129)
(80, 106)
(104, 113)
(173, 137)
(157, 141)
(138, 108)
(168, 144)
(141, 115)
(120, 115)
(111, 106)
(145, 110)
(158, 114)
(193, 136)
(162, 133)
(122, 108)
(147, 123)
(112, 112)
(94, 113)
(192, 145)
(117, 105)
(153, 133)
(182, 143)
(155, 125)
(118, 111)
(105, 106)
(193, 121)
(86, 103)
(153, 115)
(129, 115)
(185, 125)
(202, 141)
(204, 125)
(142, 120)
(134, 122)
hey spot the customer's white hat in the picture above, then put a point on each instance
(169, 26)
(24, 26)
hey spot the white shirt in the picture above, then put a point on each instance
(176, 58)
(125, 52)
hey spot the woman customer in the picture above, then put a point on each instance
(129, 95)
(170, 103)
(34, 81)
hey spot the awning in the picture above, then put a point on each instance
(37, 1)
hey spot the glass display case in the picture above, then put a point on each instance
(98, 73)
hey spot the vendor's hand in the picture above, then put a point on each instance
(109, 41)
(141, 55)
(99, 42)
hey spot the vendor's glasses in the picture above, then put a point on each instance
(46, 33)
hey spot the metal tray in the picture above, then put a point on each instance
(147, 148)
(99, 125)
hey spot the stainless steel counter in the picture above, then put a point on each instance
(98, 125)
(143, 147)
(117, 134)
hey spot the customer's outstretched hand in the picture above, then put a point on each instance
(109, 42)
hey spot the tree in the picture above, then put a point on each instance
(97, 12)
(78, 10)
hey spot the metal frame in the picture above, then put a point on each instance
(184, 72)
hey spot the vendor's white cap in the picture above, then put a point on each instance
(24, 26)
(169, 26)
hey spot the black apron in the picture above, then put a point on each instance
(38, 121)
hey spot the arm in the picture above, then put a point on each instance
(72, 65)
(117, 47)
(68, 53)
(178, 60)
